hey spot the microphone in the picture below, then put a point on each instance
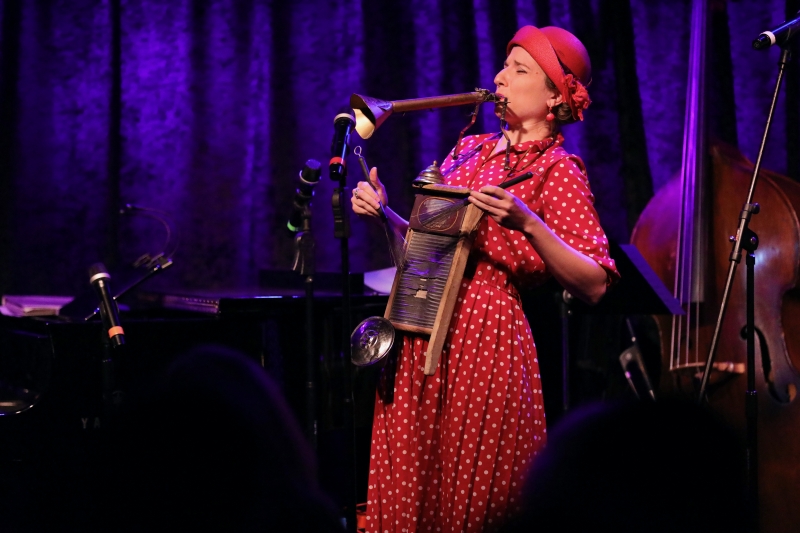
(308, 178)
(780, 35)
(635, 373)
(99, 279)
(342, 124)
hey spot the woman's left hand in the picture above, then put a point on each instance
(505, 208)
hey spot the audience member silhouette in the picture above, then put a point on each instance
(637, 467)
(213, 447)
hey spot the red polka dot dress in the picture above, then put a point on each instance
(451, 451)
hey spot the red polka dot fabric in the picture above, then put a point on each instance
(451, 452)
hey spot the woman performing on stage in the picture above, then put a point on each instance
(451, 451)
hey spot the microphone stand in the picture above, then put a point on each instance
(111, 326)
(564, 299)
(304, 264)
(746, 239)
(107, 367)
(341, 230)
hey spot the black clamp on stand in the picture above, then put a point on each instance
(747, 240)
(304, 265)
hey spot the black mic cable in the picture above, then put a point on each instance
(99, 279)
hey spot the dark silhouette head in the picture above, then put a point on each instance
(655, 467)
(213, 447)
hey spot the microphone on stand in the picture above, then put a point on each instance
(342, 125)
(636, 374)
(99, 279)
(780, 35)
(307, 179)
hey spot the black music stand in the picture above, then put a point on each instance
(638, 292)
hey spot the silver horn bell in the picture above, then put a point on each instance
(371, 341)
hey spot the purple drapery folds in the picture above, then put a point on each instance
(219, 104)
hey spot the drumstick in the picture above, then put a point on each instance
(427, 218)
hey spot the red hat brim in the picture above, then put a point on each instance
(538, 45)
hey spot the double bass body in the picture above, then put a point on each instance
(685, 341)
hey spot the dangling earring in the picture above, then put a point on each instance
(550, 117)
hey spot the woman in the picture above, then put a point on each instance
(450, 453)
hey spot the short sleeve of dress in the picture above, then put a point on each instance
(567, 207)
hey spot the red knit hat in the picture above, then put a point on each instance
(563, 58)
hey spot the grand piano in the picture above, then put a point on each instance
(54, 423)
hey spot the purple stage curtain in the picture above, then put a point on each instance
(208, 109)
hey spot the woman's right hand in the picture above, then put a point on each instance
(368, 196)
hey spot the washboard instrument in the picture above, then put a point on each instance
(427, 282)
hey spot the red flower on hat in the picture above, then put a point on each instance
(578, 96)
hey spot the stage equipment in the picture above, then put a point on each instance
(780, 35)
(746, 240)
(371, 341)
(99, 278)
(634, 369)
(371, 112)
(304, 264)
(342, 125)
(52, 454)
(306, 181)
(127, 277)
(112, 340)
(426, 287)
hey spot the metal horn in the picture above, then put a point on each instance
(371, 112)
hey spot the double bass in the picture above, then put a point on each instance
(684, 233)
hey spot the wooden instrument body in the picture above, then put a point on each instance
(777, 319)
(426, 285)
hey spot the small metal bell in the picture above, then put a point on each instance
(371, 341)
(429, 176)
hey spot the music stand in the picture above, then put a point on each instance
(638, 292)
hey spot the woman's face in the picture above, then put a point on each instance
(521, 81)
